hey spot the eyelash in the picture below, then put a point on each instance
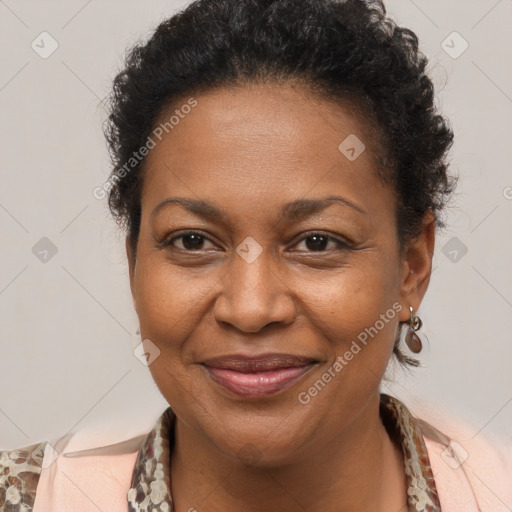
(168, 243)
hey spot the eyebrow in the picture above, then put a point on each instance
(197, 206)
(302, 208)
(296, 210)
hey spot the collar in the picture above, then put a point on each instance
(150, 487)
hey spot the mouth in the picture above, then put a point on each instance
(258, 377)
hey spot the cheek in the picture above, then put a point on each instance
(170, 306)
(359, 315)
(170, 301)
(344, 305)
(356, 315)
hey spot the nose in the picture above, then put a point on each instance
(254, 296)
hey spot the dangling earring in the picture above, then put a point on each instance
(412, 340)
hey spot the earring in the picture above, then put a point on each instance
(412, 340)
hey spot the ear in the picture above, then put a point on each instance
(131, 268)
(417, 266)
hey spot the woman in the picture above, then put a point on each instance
(280, 170)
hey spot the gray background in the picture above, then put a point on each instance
(67, 322)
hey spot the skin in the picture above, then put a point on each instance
(249, 151)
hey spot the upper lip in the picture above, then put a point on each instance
(261, 363)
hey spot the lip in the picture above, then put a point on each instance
(258, 376)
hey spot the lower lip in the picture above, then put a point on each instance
(257, 385)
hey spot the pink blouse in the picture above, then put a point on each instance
(462, 475)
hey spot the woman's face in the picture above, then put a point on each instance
(271, 325)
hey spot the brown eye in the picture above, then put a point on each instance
(319, 242)
(191, 241)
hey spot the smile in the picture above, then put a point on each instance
(258, 377)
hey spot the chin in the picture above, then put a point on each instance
(258, 439)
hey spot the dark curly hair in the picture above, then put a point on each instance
(344, 50)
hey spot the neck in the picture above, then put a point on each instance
(359, 469)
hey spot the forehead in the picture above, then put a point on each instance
(265, 143)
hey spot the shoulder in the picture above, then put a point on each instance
(20, 471)
(469, 473)
(83, 470)
(472, 469)
(47, 477)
